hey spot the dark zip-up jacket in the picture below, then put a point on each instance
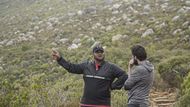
(97, 84)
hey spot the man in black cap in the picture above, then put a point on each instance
(98, 78)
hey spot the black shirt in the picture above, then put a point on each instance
(97, 83)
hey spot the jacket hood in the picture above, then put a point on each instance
(147, 65)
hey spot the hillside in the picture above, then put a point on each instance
(29, 29)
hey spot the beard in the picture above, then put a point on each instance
(99, 59)
(135, 62)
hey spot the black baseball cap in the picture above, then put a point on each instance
(98, 48)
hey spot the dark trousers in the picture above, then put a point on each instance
(133, 105)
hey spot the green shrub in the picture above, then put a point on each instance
(119, 98)
(25, 48)
(185, 93)
(173, 69)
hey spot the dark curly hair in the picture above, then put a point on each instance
(139, 51)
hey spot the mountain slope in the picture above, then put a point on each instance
(31, 28)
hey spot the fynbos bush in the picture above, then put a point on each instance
(173, 69)
(185, 93)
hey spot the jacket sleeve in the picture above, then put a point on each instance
(121, 78)
(134, 77)
(72, 68)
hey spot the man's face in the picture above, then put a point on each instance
(99, 55)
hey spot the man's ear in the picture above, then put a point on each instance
(135, 57)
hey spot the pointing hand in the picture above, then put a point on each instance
(55, 55)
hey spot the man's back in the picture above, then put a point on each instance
(140, 83)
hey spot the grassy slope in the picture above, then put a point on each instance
(28, 69)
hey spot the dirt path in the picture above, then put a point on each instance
(162, 99)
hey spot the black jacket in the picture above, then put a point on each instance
(97, 84)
